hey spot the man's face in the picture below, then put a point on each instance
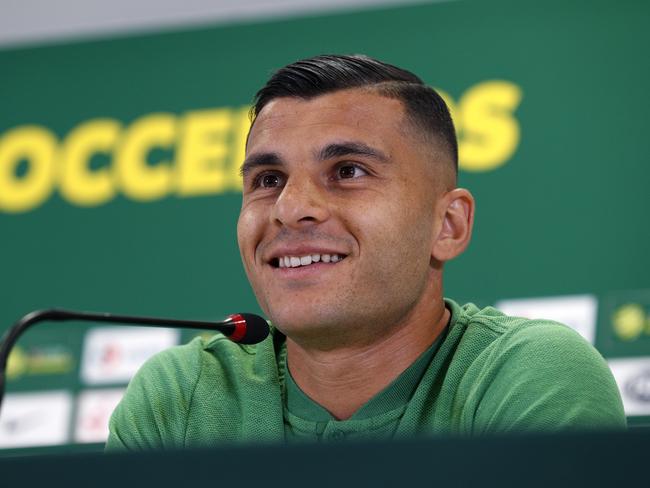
(338, 214)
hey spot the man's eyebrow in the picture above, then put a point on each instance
(331, 151)
(260, 159)
(350, 148)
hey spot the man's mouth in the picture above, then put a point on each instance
(306, 260)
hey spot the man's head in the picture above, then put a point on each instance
(427, 113)
(349, 203)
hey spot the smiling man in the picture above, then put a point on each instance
(350, 210)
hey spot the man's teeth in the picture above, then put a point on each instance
(294, 261)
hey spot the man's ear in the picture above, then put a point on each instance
(456, 209)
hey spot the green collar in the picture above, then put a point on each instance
(392, 398)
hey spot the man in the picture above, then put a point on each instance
(350, 210)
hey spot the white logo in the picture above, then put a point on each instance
(94, 409)
(633, 379)
(114, 354)
(35, 419)
(576, 311)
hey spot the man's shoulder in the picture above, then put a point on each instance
(208, 390)
(492, 340)
(211, 355)
(490, 327)
(530, 373)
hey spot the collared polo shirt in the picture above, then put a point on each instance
(306, 420)
(490, 373)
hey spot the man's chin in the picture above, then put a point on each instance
(310, 328)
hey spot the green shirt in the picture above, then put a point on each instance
(489, 373)
(304, 419)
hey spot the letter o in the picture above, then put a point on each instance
(37, 146)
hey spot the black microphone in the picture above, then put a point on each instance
(245, 328)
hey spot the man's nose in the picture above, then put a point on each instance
(301, 202)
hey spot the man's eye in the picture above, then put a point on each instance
(350, 171)
(270, 181)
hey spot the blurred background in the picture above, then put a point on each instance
(122, 127)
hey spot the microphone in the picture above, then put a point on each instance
(244, 328)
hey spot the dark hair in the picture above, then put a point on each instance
(328, 73)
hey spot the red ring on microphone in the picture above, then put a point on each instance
(240, 327)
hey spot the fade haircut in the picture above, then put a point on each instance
(309, 78)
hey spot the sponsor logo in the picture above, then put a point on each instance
(576, 311)
(35, 419)
(41, 360)
(638, 386)
(630, 321)
(114, 354)
(94, 409)
(633, 379)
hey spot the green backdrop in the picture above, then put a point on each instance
(551, 104)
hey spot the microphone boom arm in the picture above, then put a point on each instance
(59, 315)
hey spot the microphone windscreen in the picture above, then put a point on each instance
(257, 329)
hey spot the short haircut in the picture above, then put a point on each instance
(309, 78)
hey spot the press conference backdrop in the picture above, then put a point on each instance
(119, 187)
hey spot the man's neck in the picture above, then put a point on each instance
(343, 379)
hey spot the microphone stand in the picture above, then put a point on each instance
(58, 315)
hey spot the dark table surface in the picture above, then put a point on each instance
(564, 459)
